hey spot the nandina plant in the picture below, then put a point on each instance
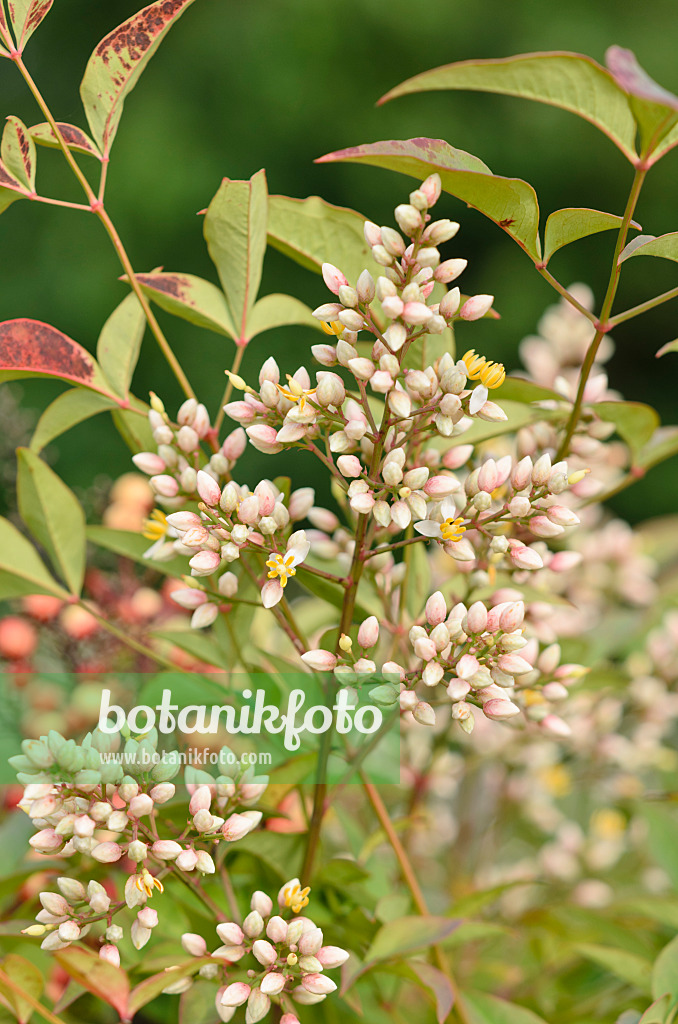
(466, 581)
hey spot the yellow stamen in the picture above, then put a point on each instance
(334, 328)
(489, 373)
(281, 566)
(474, 364)
(493, 376)
(155, 526)
(295, 393)
(452, 529)
(146, 882)
(295, 897)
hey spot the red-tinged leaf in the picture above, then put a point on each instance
(153, 986)
(509, 202)
(439, 985)
(18, 152)
(26, 16)
(75, 138)
(26, 977)
(654, 108)
(30, 348)
(193, 299)
(117, 62)
(567, 80)
(99, 977)
(670, 346)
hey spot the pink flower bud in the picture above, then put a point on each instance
(521, 474)
(264, 952)
(477, 618)
(476, 307)
(311, 941)
(289, 1018)
(519, 506)
(562, 516)
(512, 617)
(563, 561)
(524, 557)
(541, 526)
(488, 476)
(556, 726)
(236, 994)
(231, 934)
(264, 438)
(272, 984)
(318, 984)
(467, 666)
(457, 457)
(368, 634)
(425, 648)
(149, 462)
(147, 917)
(440, 486)
(234, 445)
(235, 827)
(541, 470)
(54, 904)
(424, 714)
(140, 806)
(208, 488)
(416, 313)
(436, 609)
(189, 598)
(514, 664)
(349, 465)
(449, 270)
(166, 849)
(183, 521)
(332, 956)
(276, 929)
(164, 485)
(301, 502)
(320, 660)
(334, 279)
(498, 709)
(258, 1006)
(431, 188)
(262, 903)
(107, 853)
(110, 954)
(201, 799)
(193, 944)
(372, 233)
(46, 841)
(204, 563)
(187, 860)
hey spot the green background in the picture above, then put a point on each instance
(243, 84)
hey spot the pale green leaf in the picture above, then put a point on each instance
(117, 62)
(663, 445)
(656, 1014)
(53, 515)
(75, 138)
(485, 1009)
(120, 342)
(654, 108)
(133, 426)
(133, 545)
(235, 231)
(18, 152)
(634, 421)
(566, 226)
(28, 977)
(665, 972)
(407, 934)
(566, 80)
(515, 389)
(312, 232)
(22, 571)
(25, 16)
(69, 409)
(631, 968)
(192, 298)
(278, 311)
(665, 246)
(662, 823)
(509, 202)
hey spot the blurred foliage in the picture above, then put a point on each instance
(238, 86)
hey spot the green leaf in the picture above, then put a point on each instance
(314, 232)
(278, 311)
(69, 409)
(631, 968)
(509, 202)
(133, 426)
(665, 246)
(21, 568)
(132, 545)
(120, 342)
(193, 299)
(670, 346)
(18, 152)
(53, 515)
(654, 108)
(661, 826)
(439, 985)
(99, 977)
(566, 80)
(198, 645)
(665, 972)
(30, 348)
(407, 934)
(663, 445)
(26, 16)
(515, 389)
(75, 138)
(196, 1006)
(117, 62)
(634, 422)
(25, 974)
(235, 231)
(656, 1014)
(485, 1009)
(566, 226)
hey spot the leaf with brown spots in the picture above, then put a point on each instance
(74, 137)
(30, 348)
(192, 298)
(117, 62)
(26, 15)
(18, 152)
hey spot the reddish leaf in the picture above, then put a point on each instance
(74, 137)
(439, 985)
(18, 153)
(29, 348)
(117, 62)
(634, 80)
(26, 15)
(99, 977)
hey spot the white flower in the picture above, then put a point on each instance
(450, 529)
(282, 567)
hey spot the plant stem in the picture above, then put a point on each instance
(603, 325)
(412, 884)
(135, 645)
(31, 1000)
(629, 314)
(568, 296)
(237, 360)
(97, 207)
(60, 202)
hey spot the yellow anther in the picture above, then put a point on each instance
(155, 526)
(493, 376)
(156, 403)
(281, 566)
(295, 897)
(146, 882)
(334, 328)
(345, 643)
(295, 393)
(452, 529)
(474, 364)
(574, 478)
